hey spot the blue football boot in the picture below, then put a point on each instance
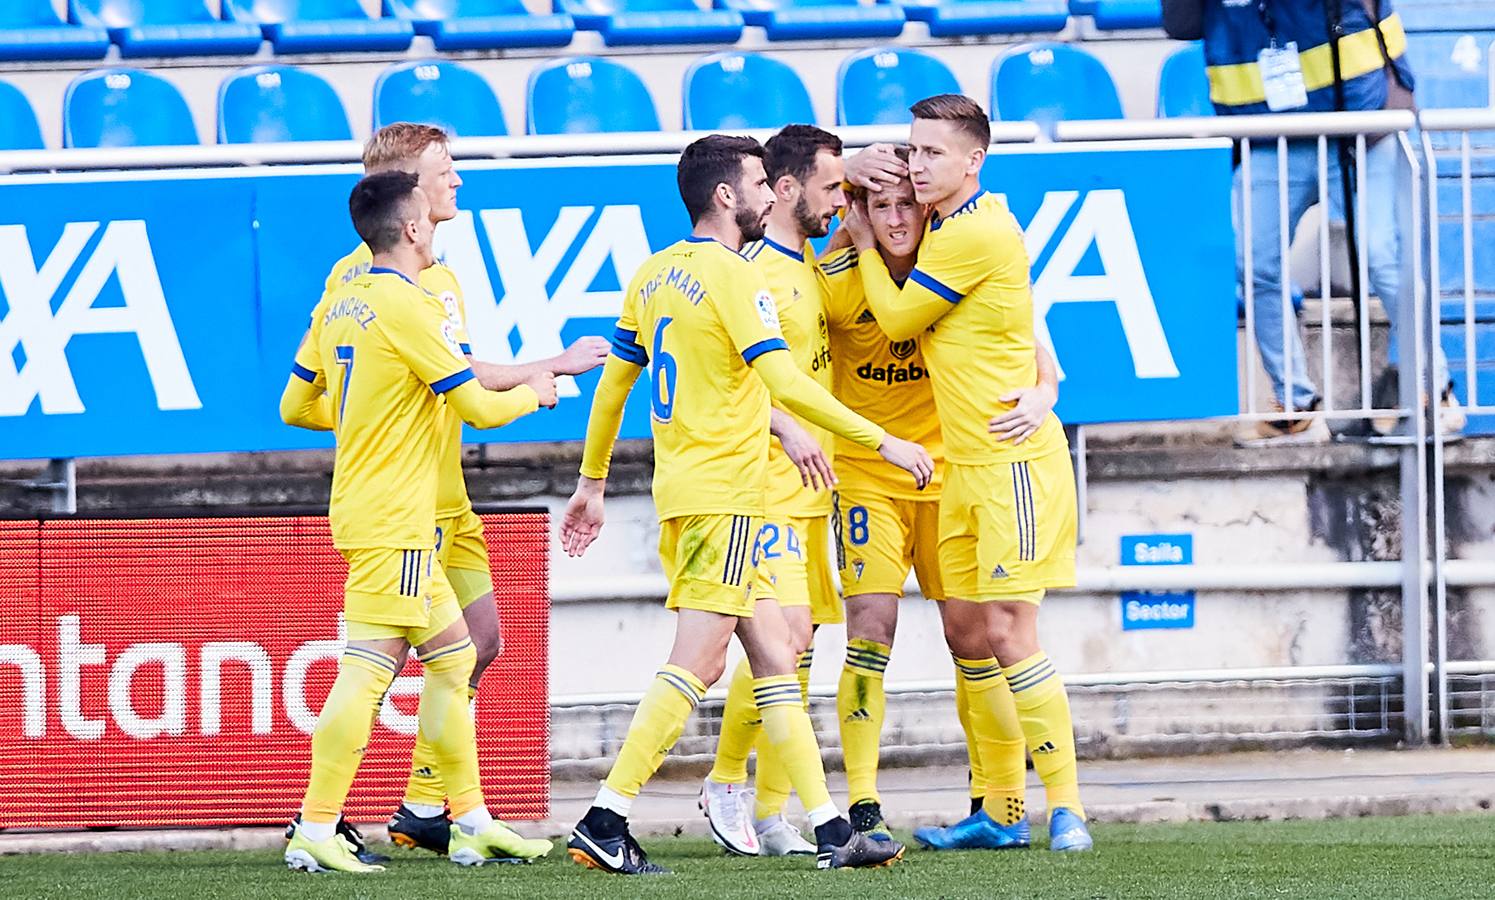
(978, 831)
(1067, 832)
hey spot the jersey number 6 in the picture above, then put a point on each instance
(662, 374)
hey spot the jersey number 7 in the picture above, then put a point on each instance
(345, 359)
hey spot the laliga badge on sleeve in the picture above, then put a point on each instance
(1282, 77)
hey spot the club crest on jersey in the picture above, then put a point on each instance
(902, 349)
(857, 566)
(767, 312)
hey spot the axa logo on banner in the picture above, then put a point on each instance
(34, 339)
(161, 670)
(1102, 220)
(527, 307)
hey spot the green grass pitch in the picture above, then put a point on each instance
(1363, 859)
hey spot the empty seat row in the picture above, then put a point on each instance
(1043, 82)
(31, 30)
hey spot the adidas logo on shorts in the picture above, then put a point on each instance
(999, 572)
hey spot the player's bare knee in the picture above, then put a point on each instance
(872, 617)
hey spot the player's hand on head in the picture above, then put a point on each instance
(583, 517)
(909, 457)
(1030, 407)
(543, 384)
(584, 355)
(858, 226)
(806, 454)
(876, 167)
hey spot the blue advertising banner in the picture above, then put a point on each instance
(1142, 610)
(158, 313)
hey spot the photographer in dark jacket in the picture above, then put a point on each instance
(1279, 56)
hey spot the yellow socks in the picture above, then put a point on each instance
(425, 786)
(787, 726)
(997, 735)
(861, 706)
(741, 726)
(973, 752)
(447, 725)
(656, 727)
(773, 785)
(343, 730)
(1043, 709)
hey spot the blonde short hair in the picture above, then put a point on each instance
(399, 145)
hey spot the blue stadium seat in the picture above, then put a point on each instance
(270, 104)
(18, 128)
(730, 91)
(1444, 15)
(792, 20)
(586, 94)
(124, 108)
(952, 18)
(877, 86)
(30, 29)
(1046, 82)
(630, 22)
(1123, 15)
(320, 26)
(1083, 7)
(165, 27)
(482, 24)
(444, 94)
(1452, 69)
(1183, 86)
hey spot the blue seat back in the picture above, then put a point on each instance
(1183, 86)
(585, 94)
(444, 94)
(744, 90)
(1452, 68)
(124, 108)
(18, 127)
(263, 104)
(273, 12)
(439, 10)
(1048, 82)
(877, 86)
(28, 14)
(610, 7)
(129, 13)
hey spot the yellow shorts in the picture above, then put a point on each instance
(878, 538)
(1007, 530)
(397, 593)
(709, 562)
(462, 551)
(794, 567)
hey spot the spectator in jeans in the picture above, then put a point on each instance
(1276, 56)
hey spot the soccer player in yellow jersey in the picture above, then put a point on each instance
(804, 169)
(1007, 512)
(884, 528)
(703, 321)
(381, 361)
(461, 549)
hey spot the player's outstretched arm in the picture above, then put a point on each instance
(1030, 406)
(584, 355)
(803, 450)
(493, 409)
(582, 521)
(304, 404)
(799, 394)
(902, 313)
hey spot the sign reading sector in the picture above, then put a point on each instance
(1157, 609)
(129, 325)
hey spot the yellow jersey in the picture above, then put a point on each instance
(385, 352)
(886, 381)
(696, 314)
(798, 294)
(970, 290)
(440, 281)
